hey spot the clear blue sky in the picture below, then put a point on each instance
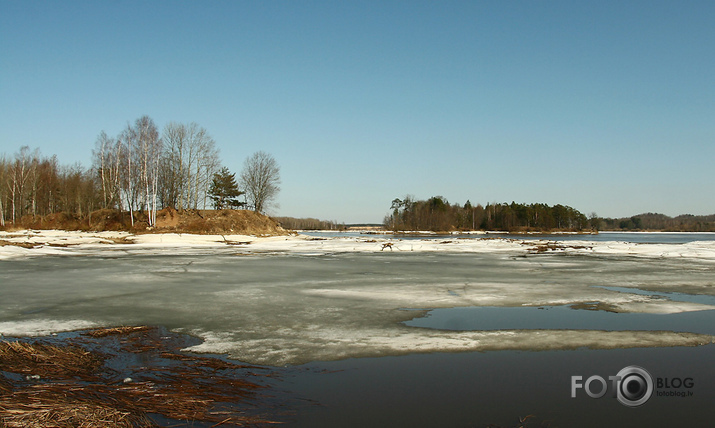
(606, 106)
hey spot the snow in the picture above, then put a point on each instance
(53, 242)
(42, 327)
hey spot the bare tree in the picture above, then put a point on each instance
(21, 181)
(128, 178)
(148, 148)
(173, 169)
(190, 161)
(260, 179)
(205, 165)
(3, 174)
(141, 150)
(106, 159)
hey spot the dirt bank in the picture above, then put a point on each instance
(241, 222)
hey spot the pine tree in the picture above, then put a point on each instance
(224, 191)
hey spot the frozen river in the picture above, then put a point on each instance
(422, 315)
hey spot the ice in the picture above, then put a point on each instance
(41, 327)
(339, 344)
(293, 299)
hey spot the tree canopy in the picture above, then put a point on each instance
(138, 170)
(437, 214)
(260, 178)
(224, 190)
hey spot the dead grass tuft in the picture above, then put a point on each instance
(103, 332)
(45, 360)
(27, 245)
(68, 385)
(58, 406)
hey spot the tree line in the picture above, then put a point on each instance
(437, 214)
(661, 222)
(293, 223)
(139, 170)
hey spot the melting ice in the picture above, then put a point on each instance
(289, 300)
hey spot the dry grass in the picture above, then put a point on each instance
(5, 386)
(103, 332)
(18, 244)
(553, 246)
(55, 405)
(48, 360)
(68, 385)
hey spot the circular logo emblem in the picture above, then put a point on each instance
(635, 386)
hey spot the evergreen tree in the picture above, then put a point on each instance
(224, 191)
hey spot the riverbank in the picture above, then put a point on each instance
(33, 243)
(167, 220)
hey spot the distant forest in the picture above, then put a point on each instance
(438, 215)
(308, 224)
(652, 221)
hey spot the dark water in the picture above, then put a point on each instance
(561, 317)
(481, 389)
(499, 388)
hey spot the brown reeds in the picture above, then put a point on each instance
(38, 359)
(54, 405)
(70, 385)
(103, 332)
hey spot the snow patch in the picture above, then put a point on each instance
(41, 327)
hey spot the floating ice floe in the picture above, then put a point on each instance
(335, 344)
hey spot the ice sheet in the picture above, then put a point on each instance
(292, 299)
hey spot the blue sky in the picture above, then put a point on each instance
(606, 106)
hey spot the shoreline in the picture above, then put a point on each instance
(31, 243)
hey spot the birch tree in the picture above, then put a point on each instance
(3, 193)
(21, 171)
(148, 147)
(190, 161)
(129, 183)
(105, 164)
